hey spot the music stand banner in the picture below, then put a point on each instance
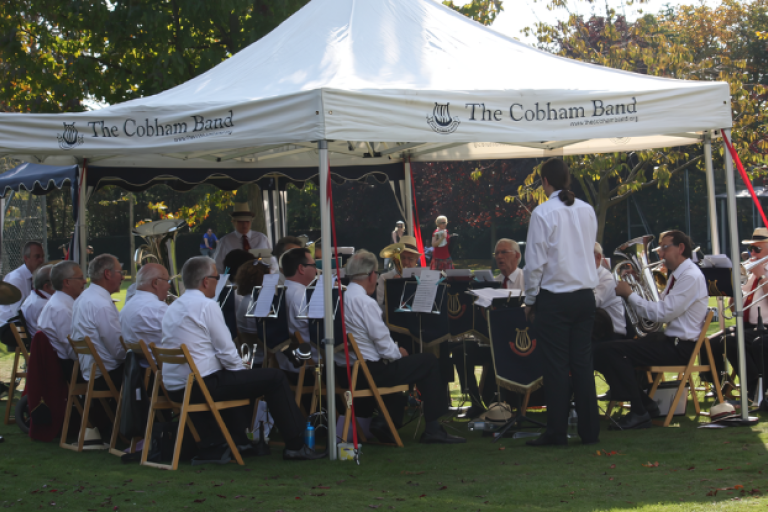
(460, 305)
(517, 358)
(719, 283)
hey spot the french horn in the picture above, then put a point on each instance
(635, 270)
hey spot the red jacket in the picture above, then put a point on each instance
(45, 382)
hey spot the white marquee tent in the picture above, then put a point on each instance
(352, 82)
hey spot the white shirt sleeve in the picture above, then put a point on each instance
(109, 331)
(677, 302)
(535, 257)
(604, 291)
(221, 339)
(379, 333)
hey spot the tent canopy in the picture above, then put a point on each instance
(37, 178)
(381, 81)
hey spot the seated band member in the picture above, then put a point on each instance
(388, 364)
(299, 269)
(142, 318)
(56, 317)
(96, 316)
(242, 238)
(38, 298)
(754, 341)
(507, 256)
(683, 307)
(21, 278)
(282, 246)
(607, 300)
(196, 321)
(248, 277)
(409, 258)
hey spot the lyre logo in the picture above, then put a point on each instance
(712, 288)
(455, 308)
(441, 121)
(70, 139)
(523, 345)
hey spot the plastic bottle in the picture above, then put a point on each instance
(573, 422)
(309, 436)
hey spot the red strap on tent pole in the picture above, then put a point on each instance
(341, 308)
(416, 224)
(744, 177)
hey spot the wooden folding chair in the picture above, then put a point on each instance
(16, 372)
(164, 356)
(141, 349)
(372, 391)
(686, 375)
(299, 388)
(85, 347)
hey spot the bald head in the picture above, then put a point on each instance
(153, 278)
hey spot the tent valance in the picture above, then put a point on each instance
(37, 178)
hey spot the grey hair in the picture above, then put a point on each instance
(598, 249)
(515, 245)
(28, 248)
(61, 271)
(195, 270)
(146, 275)
(361, 264)
(42, 276)
(99, 264)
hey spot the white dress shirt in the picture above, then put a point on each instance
(31, 309)
(381, 286)
(606, 298)
(364, 323)
(56, 322)
(96, 316)
(21, 278)
(559, 252)
(234, 241)
(515, 282)
(244, 323)
(295, 299)
(683, 308)
(762, 289)
(197, 322)
(142, 318)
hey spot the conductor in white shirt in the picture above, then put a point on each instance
(38, 298)
(683, 307)
(388, 364)
(607, 300)
(21, 278)
(95, 315)
(142, 317)
(507, 255)
(560, 277)
(196, 321)
(242, 238)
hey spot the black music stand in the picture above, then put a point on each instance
(516, 359)
(426, 329)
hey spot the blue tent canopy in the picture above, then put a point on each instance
(37, 178)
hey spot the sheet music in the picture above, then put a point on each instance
(317, 301)
(426, 291)
(223, 278)
(716, 261)
(458, 272)
(267, 294)
(486, 295)
(484, 275)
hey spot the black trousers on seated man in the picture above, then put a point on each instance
(237, 385)
(617, 361)
(756, 351)
(420, 369)
(563, 326)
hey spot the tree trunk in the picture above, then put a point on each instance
(601, 207)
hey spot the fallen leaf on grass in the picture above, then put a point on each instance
(239, 496)
(340, 481)
(220, 496)
(199, 500)
(321, 487)
(411, 472)
(691, 468)
(443, 488)
(649, 465)
(613, 466)
(502, 448)
(423, 496)
(374, 506)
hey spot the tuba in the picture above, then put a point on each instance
(635, 270)
(160, 247)
(393, 252)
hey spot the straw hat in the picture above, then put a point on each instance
(758, 235)
(410, 244)
(497, 411)
(242, 212)
(723, 411)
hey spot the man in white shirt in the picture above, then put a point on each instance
(409, 258)
(560, 275)
(96, 316)
(507, 255)
(56, 317)
(388, 364)
(196, 321)
(142, 318)
(21, 278)
(242, 238)
(38, 298)
(683, 307)
(300, 270)
(607, 300)
(282, 246)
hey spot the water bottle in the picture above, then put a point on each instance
(309, 436)
(573, 422)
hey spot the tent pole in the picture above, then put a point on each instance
(2, 229)
(736, 258)
(325, 243)
(81, 221)
(712, 214)
(409, 199)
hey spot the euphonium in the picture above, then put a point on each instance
(160, 247)
(635, 270)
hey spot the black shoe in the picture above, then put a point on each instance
(1, 439)
(440, 437)
(605, 397)
(632, 421)
(3, 388)
(547, 440)
(473, 412)
(305, 453)
(653, 410)
(380, 429)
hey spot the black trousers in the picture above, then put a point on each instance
(563, 325)
(756, 352)
(236, 385)
(420, 369)
(617, 360)
(466, 357)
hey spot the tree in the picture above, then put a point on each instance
(695, 43)
(482, 11)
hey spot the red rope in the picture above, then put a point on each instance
(744, 177)
(416, 223)
(341, 308)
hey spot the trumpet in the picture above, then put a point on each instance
(748, 267)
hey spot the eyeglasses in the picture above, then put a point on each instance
(665, 247)
(501, 253)
(309, 264)
(78, 277)
(216, 277)
(756, 249)
(169, 281)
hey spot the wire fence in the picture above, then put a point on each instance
(24, 222)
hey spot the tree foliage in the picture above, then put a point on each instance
(482, 11)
